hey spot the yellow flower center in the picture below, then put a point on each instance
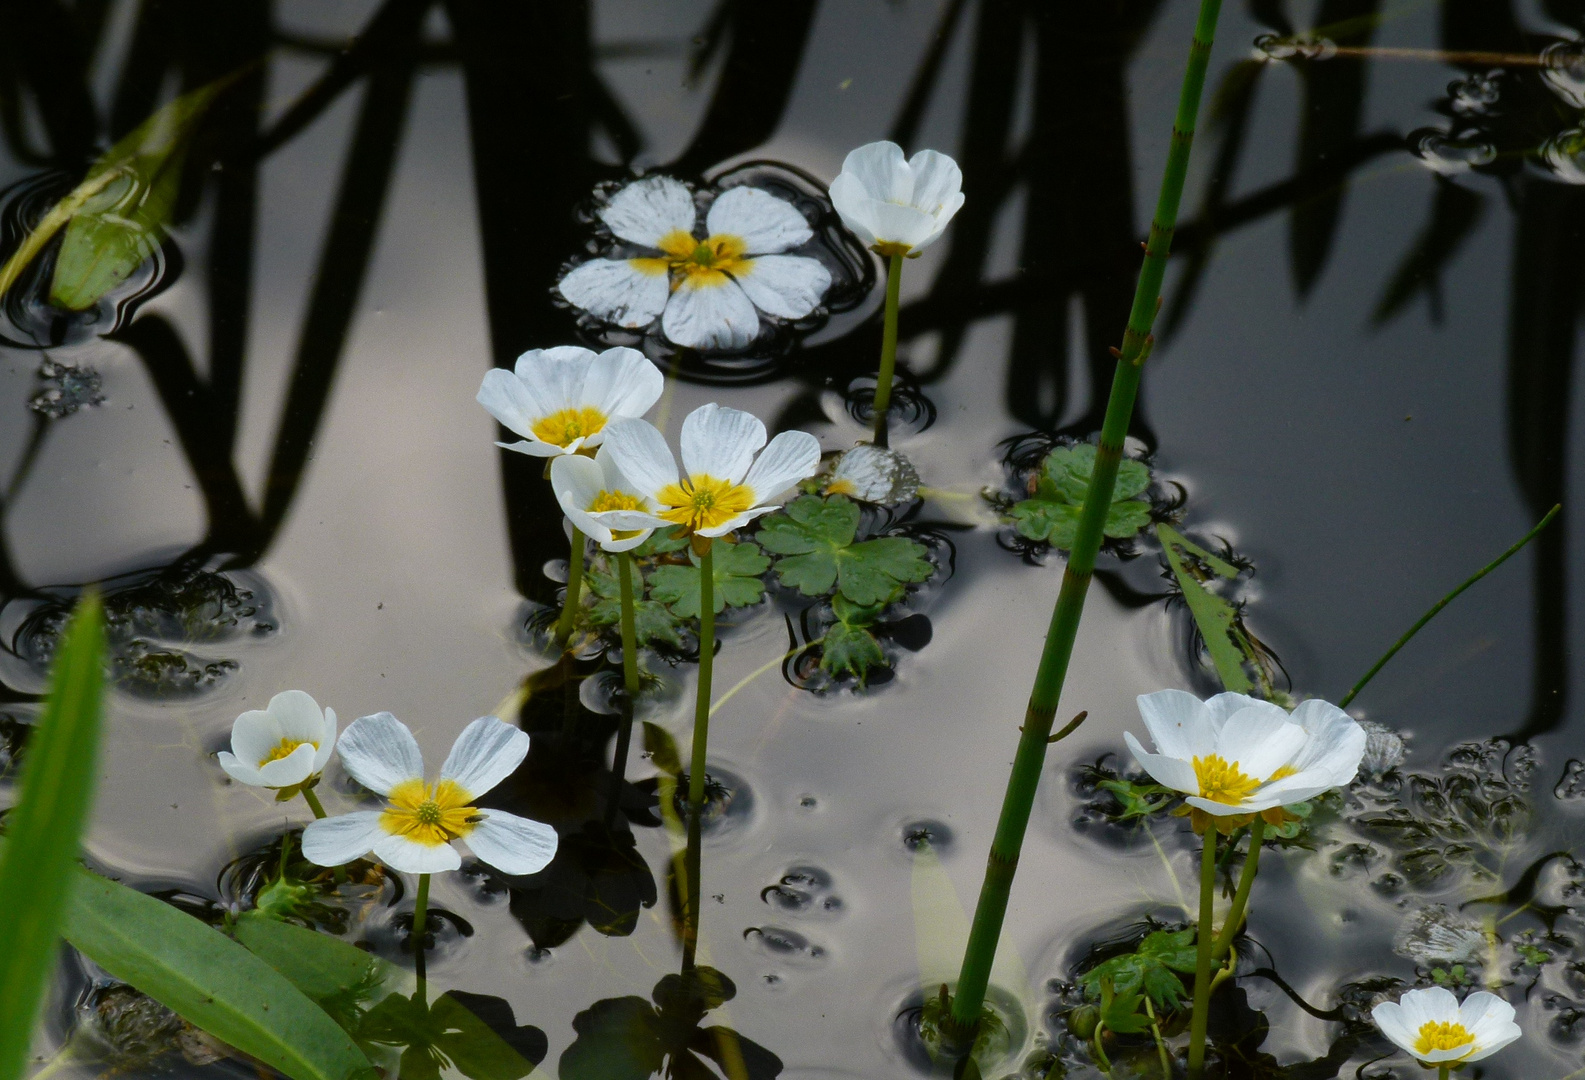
(284, 749)
(560, 428)
(700, 262)
(1442, 1035)
(1222, 781)
(614, 500)
(429, 815)
(703, 502)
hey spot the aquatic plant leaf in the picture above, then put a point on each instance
(208, 980)
(1213, 615)
(1120, 1010)
(339, 977)
(815, 538)
(1149, 969)
(44, 830)
(652, 620)
(133, 189)
(661, 542)
(737, 579)
(449, 1033)
(1051, 514)
(662, 749)
(850, 650)
(1138, 800)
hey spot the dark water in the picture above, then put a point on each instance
(289, 478)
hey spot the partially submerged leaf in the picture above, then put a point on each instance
(448, 1033)
(338, 977)
(652, 620)
(1214, 616)
(737, 579)
(1149, 970)
(815, 538)
(850, 648)
(1051, 513)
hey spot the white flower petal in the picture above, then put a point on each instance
(328, 745)
(764, 222)
(240, 770)
(790, 457)
(299, 716)
(400, 853)
(1497, 1036)
(577, 481)
(1260, 740)
(641, 453)
(627, 292)
(1433, 1003)
(554, 377)
(335, 841)
(1489, 1018)
(737, 522)
(1389, 1018)
(852, 205)
(512, 844)
(487, 752)
(646, 210)
(881, 171)
(1219, 707)
(1291, 789)
(1337, 741)
(1219, 809)
(710, 311)
(1173, 772)
(254, 736)
(621, 382)
(905, 225)
(1178, 722)
(630, 542)
(294, 768)
(786, 286)
(540, 449)
(379, 752)
(504, 397)
(937, 184)
(720, 442)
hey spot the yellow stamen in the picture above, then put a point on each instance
(285, 749)
(1285, 771)
(560, 428)
(703, 502)
(614, 500)
(843, 486)
(1222, 781)
(701, 263)
(429, 815)
(1442, 1035)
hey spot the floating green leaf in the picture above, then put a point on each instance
(45, 829)
(849, 647)
(815, 538)
(209, 980)
(1120, 1011)
(661, 542)
(1051, 513)
(737, 579)
(1216, 617)
(1149, 969)
(652, 620)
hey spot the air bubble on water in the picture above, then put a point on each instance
(1279, 47)
(1564, 156)
(66, 389)
(1563, 68)
(1443, 154)
(1477, 94)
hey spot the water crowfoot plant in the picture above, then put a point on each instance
(1440, 1033)
(897, 207)
(1019, 800)
(284, 747)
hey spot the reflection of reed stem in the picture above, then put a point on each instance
(624, 735)
(569, 609)
(1031, 756)
(1202, 963)
(883, 382)
(701, 740)
(1440, 56)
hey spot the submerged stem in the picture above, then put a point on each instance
(569, 607)
(883, 382)
(701, 740)
(1246, 881)
(420, 915)
(624, 734)
(1204, 942)
(313, 802)
(1031, 756)
(1161, 1044)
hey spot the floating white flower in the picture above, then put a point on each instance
(601, 502)
(723, 485)
(282, 745)
(874, 474)
(897, 207)
(1437, 1030)
(709, 292)
(561, 399)
(1238, 755)
(414, 833)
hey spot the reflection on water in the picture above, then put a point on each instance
(261, 441)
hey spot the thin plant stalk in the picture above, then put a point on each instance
(1161, 1044)
(883, 382)
(420, 915)
(1204, 943)
(701, 740)
(1443, 1071)
(1246, 882)
(569, 607)
(313, 802)
(1029, 762)
(1446, 600)
(630, 684)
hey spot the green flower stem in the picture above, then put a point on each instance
(1443, 1071)
(1161, 1044)
(1202, 964)
(313, 802)
(701, 740)
(1031, 755)
(420, 914)
(569, 609)
(883, 382)
(1246, 881)
(1445, 601)
(630, 684)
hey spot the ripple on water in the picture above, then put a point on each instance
(804, 892)
(1449, 156)
(1563, 155)
(1563, 68)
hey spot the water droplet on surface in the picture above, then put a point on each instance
(1475, 95)
(1563, 68)
(1443, 154)
(1279, 47)
(65, 389)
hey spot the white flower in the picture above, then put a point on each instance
(874, 474)
(561, 399)
(706, 291)
(723, 486)
(1235, 754)
(414, 833)
(1436, 1029)
(600, 501)
(283, 744)
(897, 207)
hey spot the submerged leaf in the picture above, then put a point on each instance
(1148, 970)
(1214, 616)
(850, 650)
(737, 579)
(451, 1033)
(1051, 514)
(815, 538)
(652, 620)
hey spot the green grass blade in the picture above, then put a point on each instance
(44, 830)
(209, 980)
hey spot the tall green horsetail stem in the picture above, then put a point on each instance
(1030, 760)
(701, 742)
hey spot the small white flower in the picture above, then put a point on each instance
(414, 833)
(897, 207)
(282, 745)
(600, 501)
(874, 474)
(708, 292)
(723, 485)
(1437, 1030)
(561, 399)
(1234, 754)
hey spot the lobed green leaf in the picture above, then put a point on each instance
(737, 579)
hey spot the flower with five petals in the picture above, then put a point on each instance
(1431, 1025)
(285, 744)
(600, 502)
(708, 291)
(897, 207)
(416, 830)
(561, 399)
(723, 485)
